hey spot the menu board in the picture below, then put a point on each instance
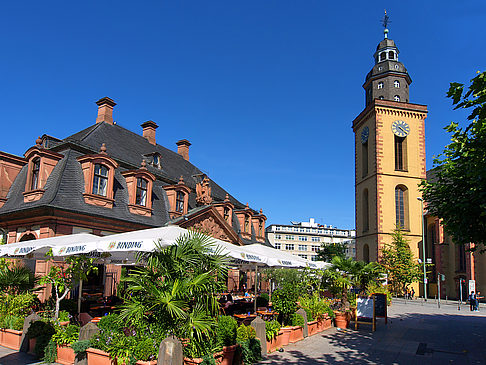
(364, 307)
(380, 305)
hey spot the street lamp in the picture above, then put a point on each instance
(423, 245)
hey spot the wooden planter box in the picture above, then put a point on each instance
(98, 357)
(297, 334)
(65, 355)
(312, 327)
(10, 339)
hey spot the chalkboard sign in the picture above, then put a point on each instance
(380, 305)
(364, 307)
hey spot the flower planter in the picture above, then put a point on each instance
(98, 357)
(272, 345)
(32, 343)
(10, 339)
(228, 354)
(297, 334)
(286, 335)
(312, 327)
(65, 355)
(327, 323)
(278, 340)
(65, 323)
(341, 319)
(151, 362)
(195, 361)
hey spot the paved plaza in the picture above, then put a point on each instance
(416, 333)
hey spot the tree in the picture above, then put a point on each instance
(458, 194)
(398, 263)
(331, 250)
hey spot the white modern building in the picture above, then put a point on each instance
(304, 239)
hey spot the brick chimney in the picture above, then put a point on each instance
(183, 148)
(105, 110)
(149, 128)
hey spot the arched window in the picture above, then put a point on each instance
(366, 211)
(364, 155)
(401, 206)
(381, 97)
(380, 85)
(100, 180)
(180, 202)
(391, 55)
(396, 83)
(400, 153)
(141, 195)
(396, 98)
(366, 253)
(260, 228)
(382, 56)
(226, 212)
(35, 174)
(247, 224)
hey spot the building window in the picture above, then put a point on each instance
(260, 228)
(278, 236)
(289, 246)
(364, 155)
(380, 68)
(315, 248)
(391, 55)
(381, 97)
(302, 238)
(302, 248)
(100, 180)
(315, 258)
(396, 98)
(278, 245)
(400, 155)
(366, 211)
(289, 237)
(247, 224)
(277, 228)
(380, 85)
(397, 67)
(401, 206)
(141, 196)
(396, 83)
(366, 253)
(462, 257)
(303, 256)
(382, 56)
(226, 213)
(179, 202)
(35, 174)
(315, 239)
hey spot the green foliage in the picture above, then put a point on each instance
(373, 288)
(177, 288)
(19, 305)
(12, 322)
(262, 300)
(66, 335)
(250, 351)
(16, 280)
(271, 329)
(331, 250)
(398, 263)
(64, 316)
(111, 322)
(310, 316)
(42, 331)
(50, 352)
(208, 359)
(241, 333)
(297, 320)
(251, 332)
(284, 301)
(80, 347)
(458, 193)
(68, 305)
(303, 281)
(226, 331)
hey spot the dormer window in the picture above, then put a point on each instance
(141, 196)
(180, 202)
(100, 180)
(247, 224)
(396, 98)
(35, 173)
(156, 161)
(380, 85)
(260, 228)
(396, 83)
(226, 214)
(381, 97)
(391, 55)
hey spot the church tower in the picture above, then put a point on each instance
(389, 157)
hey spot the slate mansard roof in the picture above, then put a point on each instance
(65, 185)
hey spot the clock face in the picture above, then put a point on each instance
(365, 134)
(400, 128)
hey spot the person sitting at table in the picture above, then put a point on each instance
(247, 294)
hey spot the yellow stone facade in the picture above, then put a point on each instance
(375, 184)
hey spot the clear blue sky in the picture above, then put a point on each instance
(265, 90)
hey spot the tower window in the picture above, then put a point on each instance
(180, 202)
(396, 83)
(35, 174)
(141, 195)
(397, 67)
(382, 56)
(401, 206)
(380, 85)
(391, 55)
(100, 180)
(366, 211)
(381, 97)
(380, 68)
(364, 153)
(400, 153)
(396, 98)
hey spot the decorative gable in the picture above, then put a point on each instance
(10, 167)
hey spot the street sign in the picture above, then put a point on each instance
(442, 277)
(472, 286)
(429, 261)
(426, 280)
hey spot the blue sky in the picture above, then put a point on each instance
(265, 90)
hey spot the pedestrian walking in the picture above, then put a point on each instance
(472, 301)
(478, 300)
(412, 293)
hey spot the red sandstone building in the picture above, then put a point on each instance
(106, 179)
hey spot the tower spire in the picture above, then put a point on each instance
(385, 21)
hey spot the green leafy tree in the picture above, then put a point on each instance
(330, 250)
(398, 262)
(458, 194)
(16, 280)
(63, 277)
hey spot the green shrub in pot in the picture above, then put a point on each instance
(226, 331)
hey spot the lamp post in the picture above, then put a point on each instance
(423, 245)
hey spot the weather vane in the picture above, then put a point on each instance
(385, 21)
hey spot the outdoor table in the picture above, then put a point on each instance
(244, 318)
(267, 315)
(95, 320)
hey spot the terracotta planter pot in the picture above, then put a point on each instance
(297, 334)
(98, 357)
(278, 340)
(11, 339)
(32, 342)
(151, 362)
(228, 354)
(65, 355)
(286, 335)
(312, 327)
(341, 320)
(327, 323)
(65, 323)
